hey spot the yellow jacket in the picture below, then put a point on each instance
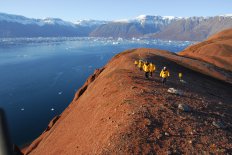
(146, 67)
(151, 67)
(164, 74)
(140, 64)
(180, 75)
(136, 62)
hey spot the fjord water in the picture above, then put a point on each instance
(39, 76)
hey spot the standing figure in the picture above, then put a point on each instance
(151, 68)
(136, 62)
(146, 69)
(180, 76)
(164, 74)
(140, 64)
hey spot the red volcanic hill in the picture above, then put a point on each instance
(216, 50)
(118, 111)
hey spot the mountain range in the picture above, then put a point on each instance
(159, 27)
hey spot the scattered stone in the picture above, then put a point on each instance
(159, 136)
(183, 81)
(169, 152)
(205, 122)
(219, 124)
(128, 101)
(175, 91)
(166, 134)
(184, 107)
(147, 122)
(220, 103)
(133, 87)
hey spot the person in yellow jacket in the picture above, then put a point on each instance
(164, 74)
(136, 63)
(146, 69)
(180, 76)
(151, 68)
(140, 64)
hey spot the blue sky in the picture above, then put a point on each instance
(72, 10)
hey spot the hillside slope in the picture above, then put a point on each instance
(216, 50)
(118, 111)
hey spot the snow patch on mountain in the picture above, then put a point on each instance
(56, 21)
(149, 20)
(227, 15)
(31, 21)
(90, 22)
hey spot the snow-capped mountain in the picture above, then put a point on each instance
(20, 26)
(32, 21)
(149, 20)
(165, 27)
(227, 15)
(162, 27)
(90, 22)
(56, 21)
(155, 20)
(139, 26)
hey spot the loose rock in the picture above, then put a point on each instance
(175, 91)
(184, 107)
(219, 124)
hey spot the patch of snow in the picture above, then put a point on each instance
(32, 21)
(122, 21)
(226, 15)
(90, 22)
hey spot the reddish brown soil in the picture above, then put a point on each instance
(216, 50)
(118, 111)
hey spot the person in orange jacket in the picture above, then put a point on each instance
(164, 74)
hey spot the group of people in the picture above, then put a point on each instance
(149, 68)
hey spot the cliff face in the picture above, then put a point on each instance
(194, 28)
(118, 111)
(216, 50)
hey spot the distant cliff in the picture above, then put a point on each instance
(193, 29)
